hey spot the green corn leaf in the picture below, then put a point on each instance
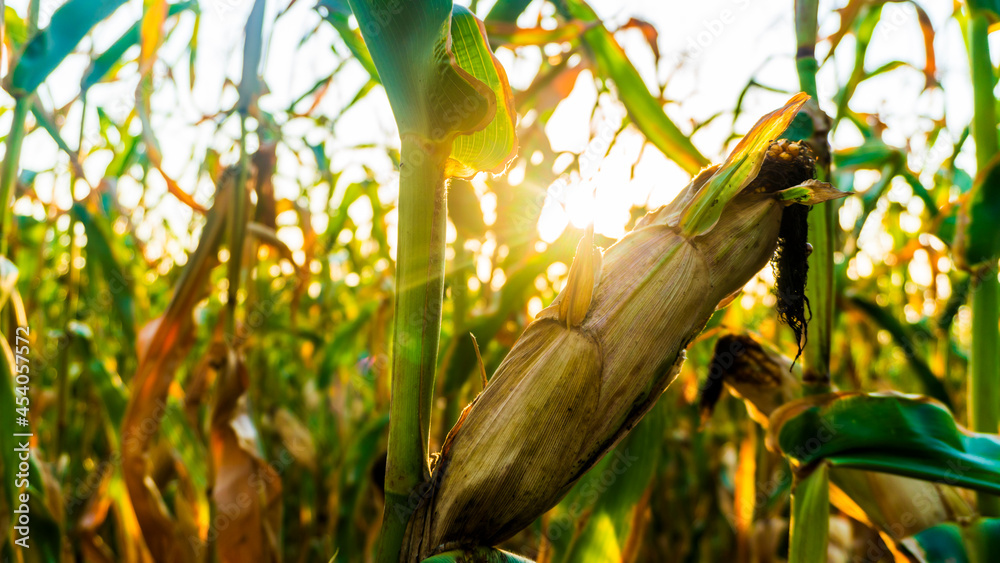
(341, 341)
(48, 123)
(810, 528)
(801, 128)
(494, 146)
(102, 263)
(920, 191)
(979, 242)
(872, 155)
(253, 43)
(506, 11)
(354, 481)
(45, 539)
(739, 169)
(863, 34)
(464, 209)
(43, 53)
(891, 433)
(15, 29)
(991, 7)
(645, 110)
(128, 155)
(464, 89)
(810, 192)
(598, 542)
(103, 63)
(973, 542)
(110, 388)
(338, 13)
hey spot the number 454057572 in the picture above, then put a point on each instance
(23, 369)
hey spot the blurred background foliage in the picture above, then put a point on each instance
(112, 242)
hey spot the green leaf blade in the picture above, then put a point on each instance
(810, 528)
(900, 434)
(106, 61)
(50, 46)
(973, 542)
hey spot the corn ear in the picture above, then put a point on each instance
(761, 377)
(597, 359)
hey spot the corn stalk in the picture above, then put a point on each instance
(820, 287)
(984, 365)
(809, 536)
(454, 111)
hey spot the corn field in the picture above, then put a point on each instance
(553, 281)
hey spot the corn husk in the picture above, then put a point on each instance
(566, 364)
(597, 359)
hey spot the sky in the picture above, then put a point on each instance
(709, 51)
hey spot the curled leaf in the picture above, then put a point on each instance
(245, 486)
(492, 148)
(739, 169)
(893, 433)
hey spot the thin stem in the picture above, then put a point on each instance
(416, 332)
(72, 299)
(984, 367)
(33, 7)
(8, 176)
(237, 231)
(460, 306)
(984, 361)
(820, 283)
(810, 514)
(805, 33)
(984, 124)
(820, 291)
